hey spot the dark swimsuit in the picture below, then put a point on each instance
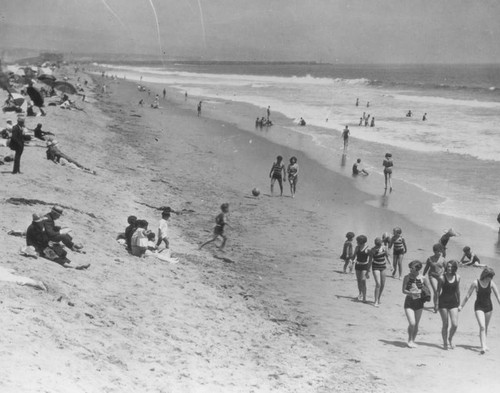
(414, 304)
(449, 297)
(483, 299)
(362, 259)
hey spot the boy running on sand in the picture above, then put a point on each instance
(220, 223)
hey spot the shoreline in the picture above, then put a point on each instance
(277, 316)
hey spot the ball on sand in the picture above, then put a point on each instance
(256, 192)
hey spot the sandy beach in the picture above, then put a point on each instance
(273, 313)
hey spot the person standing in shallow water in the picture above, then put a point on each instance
(388, 164)
(345, 136)
(199, 108)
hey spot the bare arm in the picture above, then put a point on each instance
(473, 286)
(405, 283)
(495, 291)
(427, 267)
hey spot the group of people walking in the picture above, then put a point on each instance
(439, 280)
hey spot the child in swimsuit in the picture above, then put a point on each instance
(435, 267)
(398, 244)
(470, 259)
(347, 252)
(362, 266)
(293, 175)
(220, 223)
(378, 258)
(483, 306)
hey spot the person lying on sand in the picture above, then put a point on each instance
(56, 155)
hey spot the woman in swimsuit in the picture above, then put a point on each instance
(483, 306)
(388, 164)
(362, 266)
(448, 302)
(414, 304)
(293, 175)
(378, 259)
(435, 268)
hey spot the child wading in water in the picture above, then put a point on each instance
(220, 223)
(348, 252)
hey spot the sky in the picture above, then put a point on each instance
(342, 31)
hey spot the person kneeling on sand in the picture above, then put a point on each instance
(54, 232)
(139, 242)
(37, 237)
(470, 259)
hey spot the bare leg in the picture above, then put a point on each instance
(378, 286)
(410, 315)
(434, 285)
(481, 320)
(207, 242)
(224, 239)
(444, 330)
(453, 313)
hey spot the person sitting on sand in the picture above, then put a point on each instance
(139, 243)
(448, 302)
(357, 169)
(445, 238)
(39, 133)
(302, 122)
(483, 306)
(372, 124)
(129, 231)
(362, 265)
(54, 232)
(37, 237)
(470, 259)
(220, 223)
(348, 252)
(409, 114)
(414, 301)
(163, 228)
(277, 170)
(293, 175)
(435, 268)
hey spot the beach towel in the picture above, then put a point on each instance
(7, 275)
(165, 255)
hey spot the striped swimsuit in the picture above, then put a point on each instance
(379, 258)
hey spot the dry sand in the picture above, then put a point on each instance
(275, 314)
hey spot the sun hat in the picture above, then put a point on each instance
(57, 209)
(37, 217)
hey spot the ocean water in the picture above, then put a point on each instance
(459, 142)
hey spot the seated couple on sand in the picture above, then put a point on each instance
(45, 238)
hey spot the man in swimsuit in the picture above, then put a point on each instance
(278, 172)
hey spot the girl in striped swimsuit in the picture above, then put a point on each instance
(398, 244)
(378, 259)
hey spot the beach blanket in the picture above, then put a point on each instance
(7, 275)
(165, 255)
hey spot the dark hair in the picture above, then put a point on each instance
(466, 249)
(132, 219)
(165, 213)
(361, 239)
(142, 223)
(437, 247)
(350, 235)
(416, 264)
(224, 206)
(279, 158)
(454, 265)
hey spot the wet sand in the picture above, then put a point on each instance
(275, 314)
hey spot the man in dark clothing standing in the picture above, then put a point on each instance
(53, 231)
(17, 144)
